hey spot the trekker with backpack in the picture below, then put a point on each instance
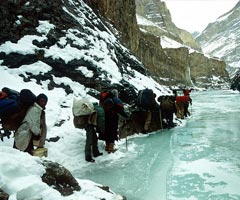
(186, 92)
(33, 127)
(87, 115)
(167, 109)
(146, 101)
(91, 146)
(112, 106)
(182, 104)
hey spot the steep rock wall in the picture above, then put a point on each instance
(167, 66)
(158, 13)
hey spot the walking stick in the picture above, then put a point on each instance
(126, 135)
(160, 115)
(191, 109)
(126, 143)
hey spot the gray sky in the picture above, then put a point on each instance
(195, 15)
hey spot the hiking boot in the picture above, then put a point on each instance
(97, 154)
(89, 159)
(111, 148)
(107, 147)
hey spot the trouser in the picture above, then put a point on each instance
(91, 145)
(147, 121)
(180, 110)
(186, 112)
(29, 148)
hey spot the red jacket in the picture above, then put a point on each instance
(182, 99)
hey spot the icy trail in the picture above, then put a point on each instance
(198, 160)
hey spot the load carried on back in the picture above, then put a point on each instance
(182, 104)
(146, 99)
(167, 109)
(23, 113)
(91, 117)
(86, 112)
(13, 107)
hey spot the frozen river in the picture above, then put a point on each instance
(198, 160)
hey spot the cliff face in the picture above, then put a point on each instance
(221, 39)
(167, 65)
(121, 14)
(207, 72)
(157, 12)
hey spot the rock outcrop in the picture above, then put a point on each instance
(60, 178)
(158, 13)
(3, 195)
(208, 72)
(235, 82)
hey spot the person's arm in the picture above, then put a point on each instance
(33, 118)
(190, 100)
(43, 134)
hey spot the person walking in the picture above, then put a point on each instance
(91, 146)
(85, 117)
(113, 106)
(33, 127)
(189, 101)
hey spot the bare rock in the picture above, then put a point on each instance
(60, 178)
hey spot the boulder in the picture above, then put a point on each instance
(60, 178)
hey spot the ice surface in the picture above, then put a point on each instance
(198, 160)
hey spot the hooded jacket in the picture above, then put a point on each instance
(31, 124)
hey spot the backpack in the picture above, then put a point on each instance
(9, 102)
(27, 98)
(82, 107)
(9, 105)
(8, 109)
(10, 92)
(100, 121)
(80, 121)
(167, 104)
(13, 107)
(146, 99)
(89, 113)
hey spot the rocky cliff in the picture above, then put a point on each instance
(167, 65)
(221, 39)
(158, 13)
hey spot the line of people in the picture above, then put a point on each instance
(32, 129)
(113, 107)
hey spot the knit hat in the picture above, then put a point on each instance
(42, 96)
(115, 92)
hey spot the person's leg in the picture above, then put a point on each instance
(88, 146)
(30, 147)
(147, 121)
(95, 150)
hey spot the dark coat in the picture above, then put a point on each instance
(111, 119)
